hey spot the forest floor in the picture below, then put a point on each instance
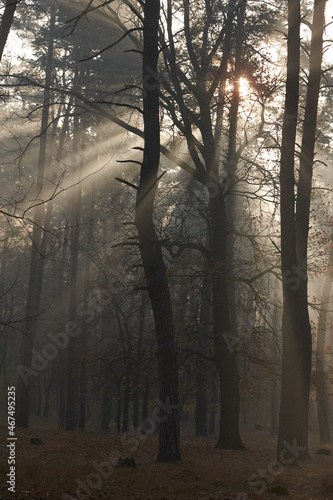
(81, 465)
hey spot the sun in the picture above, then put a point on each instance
(244, 87)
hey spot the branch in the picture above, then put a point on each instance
(127, 183)
(28, 82)
(197, 353)
(86, 11)
(112, 44)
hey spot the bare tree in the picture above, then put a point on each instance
(150, 247)
(296, 329)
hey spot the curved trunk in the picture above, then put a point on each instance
(150, 248)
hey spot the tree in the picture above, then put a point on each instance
(35, 278)
(296, 329)
(6, 22)
(321, 385)
(150, 248)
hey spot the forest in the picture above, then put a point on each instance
(166, 249)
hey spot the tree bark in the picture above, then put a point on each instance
(225, 357)
(72, 369)
(126, 406)
(201, 407)
(145, 400)
(106, 409)
(84, 325)
(296, 330)
(150, 248)
(321, 388)
(136, 393)
(274, 405)
(212, 406)
(118, 416)
(6, 22)
(23, 387)
(201, 410)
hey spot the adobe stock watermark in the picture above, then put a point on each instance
(295, 276)
(60, 340)
(132, 440)
(275, 468)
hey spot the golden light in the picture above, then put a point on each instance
(244, 87)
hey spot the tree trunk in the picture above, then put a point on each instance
(48, 387)
(118, 410)
(145, 401)
(6, 23)
(23, 386)
(126, 407)
(201, 410)
(296, 330)
(61, 358)
(321, 387)
(106, 409)
(201, 407)
(232, 161)
(274, 405)
(72, 369)
(150, 248)
(225, 357)
(84, 324)
(212, 406)
(136, 408)
(136, 393)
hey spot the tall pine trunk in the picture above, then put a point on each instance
(32, 306)
(321, 388)
(72, 368)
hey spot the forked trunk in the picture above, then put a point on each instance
(296, 329)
